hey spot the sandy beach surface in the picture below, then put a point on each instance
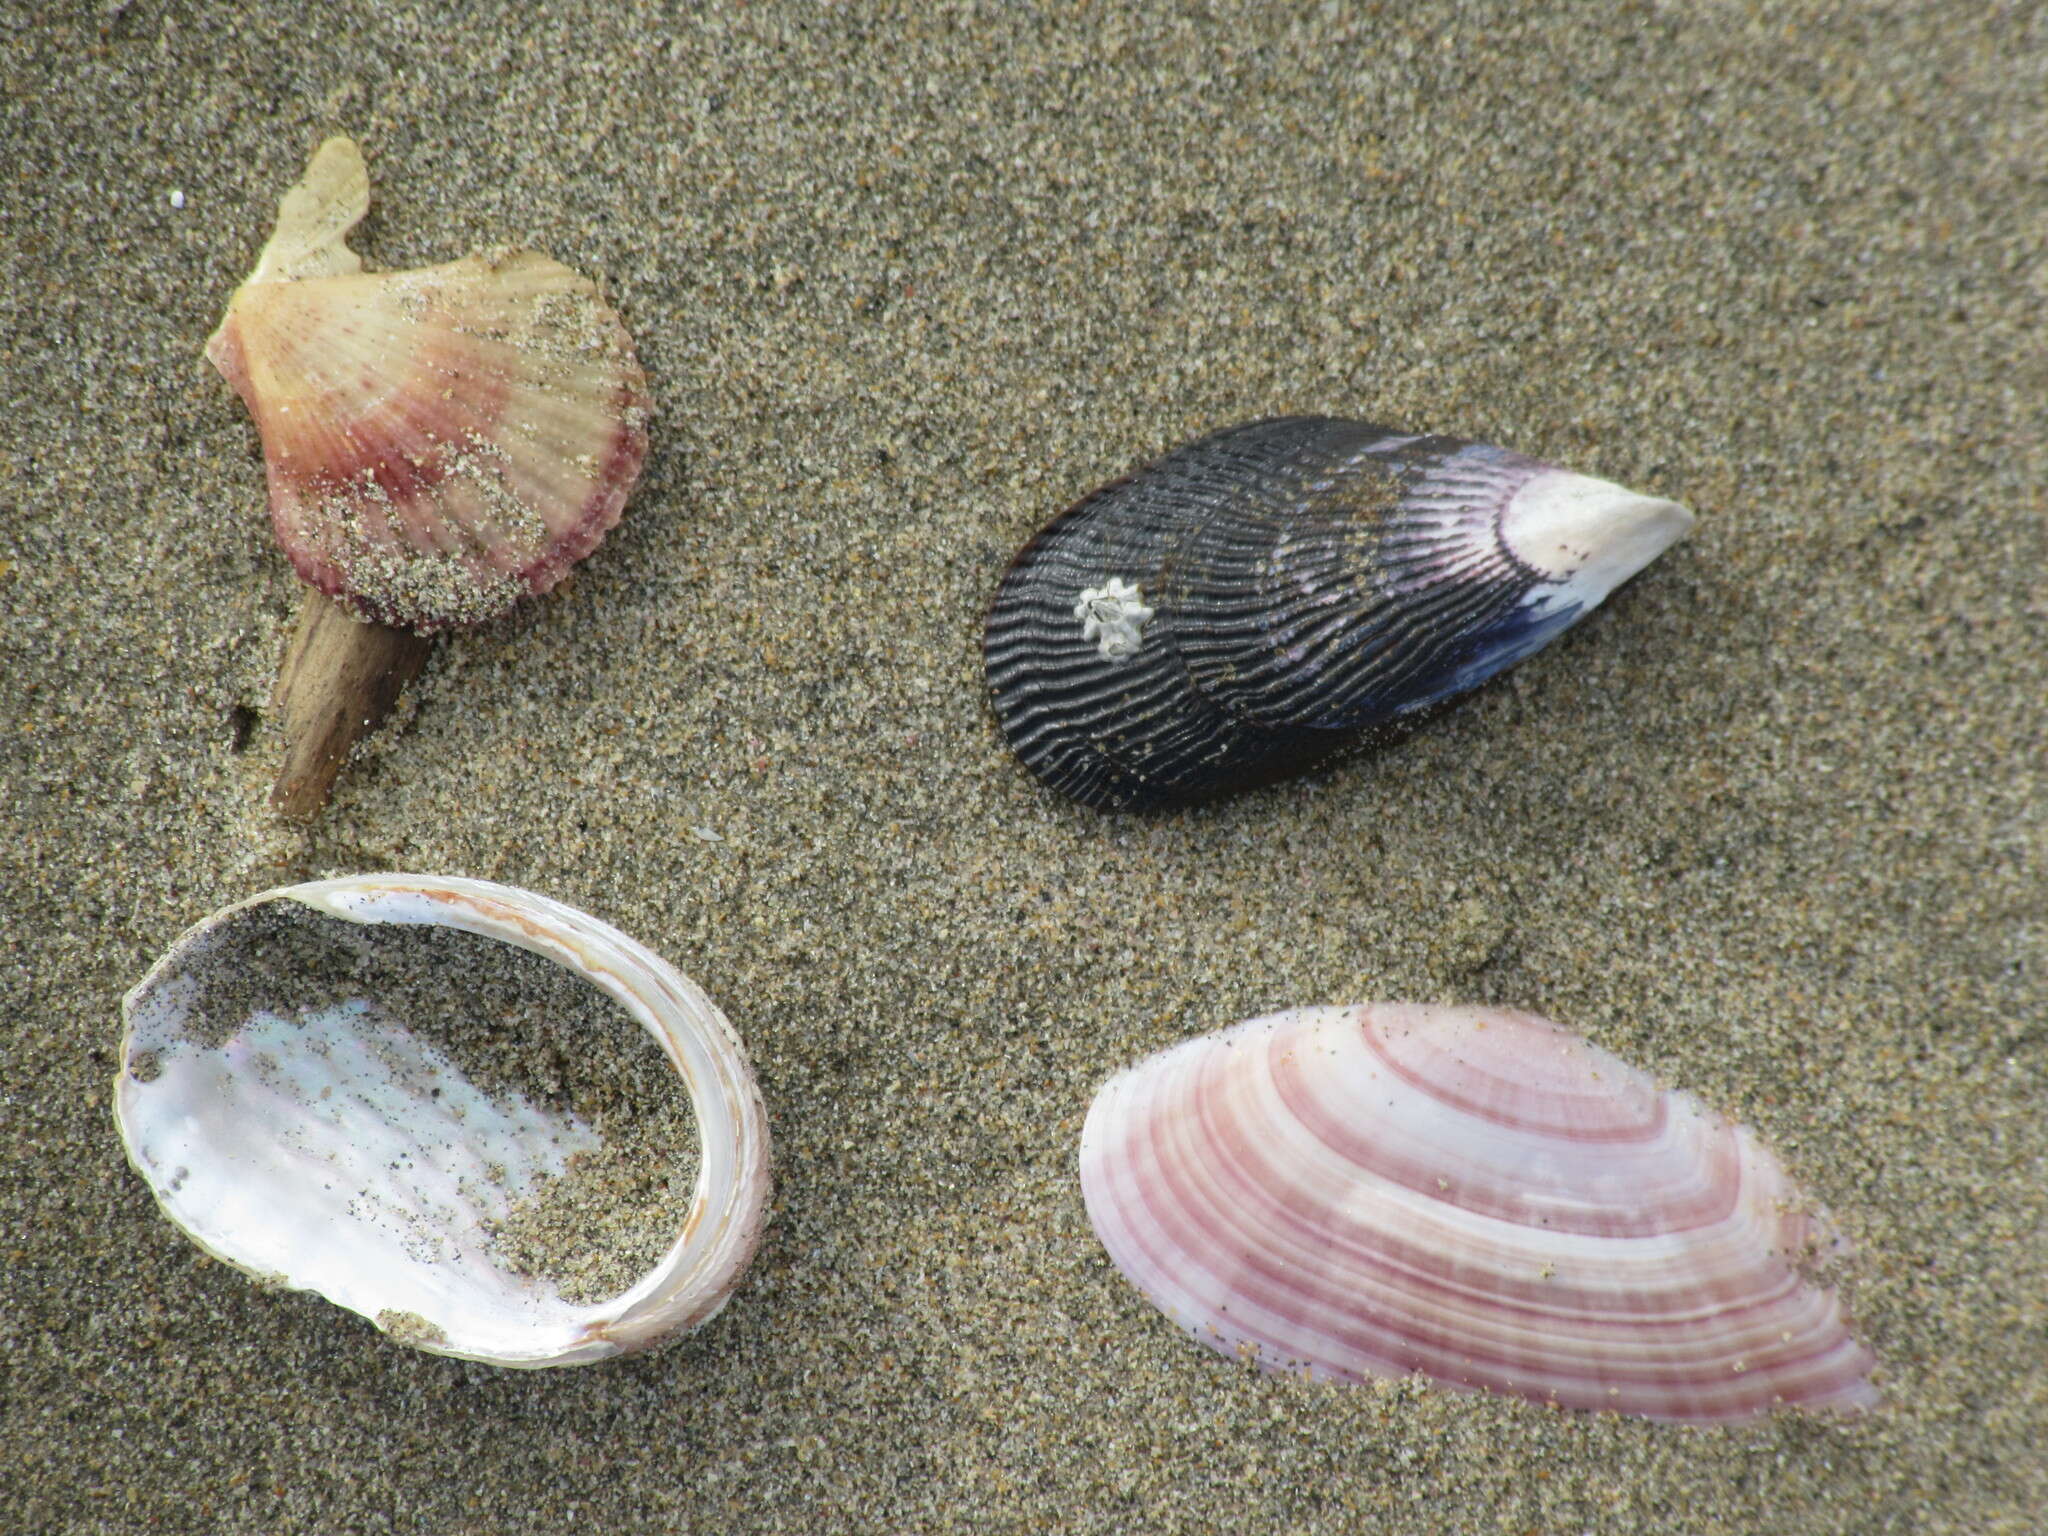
(907, 280)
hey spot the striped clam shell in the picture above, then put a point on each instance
(1270, 594)
(1474, 1194)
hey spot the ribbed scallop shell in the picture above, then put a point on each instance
(439, 442)
(1475, 1194)
(1267, 595)
(341, 1153)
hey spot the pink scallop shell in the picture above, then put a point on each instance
(439, 442)
(1474, 1194)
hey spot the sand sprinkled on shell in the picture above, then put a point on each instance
(906, 281)
(508, 1023)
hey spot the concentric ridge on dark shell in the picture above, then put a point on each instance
(1274, 593)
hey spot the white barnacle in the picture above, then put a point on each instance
(1113, 615)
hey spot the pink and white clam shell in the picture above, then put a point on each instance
(1475, 1194)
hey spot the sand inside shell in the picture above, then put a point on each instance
(512, 1022)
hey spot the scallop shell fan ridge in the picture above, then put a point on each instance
(439, 442)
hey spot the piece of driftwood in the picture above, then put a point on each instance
(340, 678)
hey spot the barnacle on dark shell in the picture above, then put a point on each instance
(1272, 593)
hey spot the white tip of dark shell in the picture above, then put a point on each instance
(1586, 535)
(1473, 1194)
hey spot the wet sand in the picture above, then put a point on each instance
(1771, 825)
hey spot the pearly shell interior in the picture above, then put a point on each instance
(340, 1152)
(1473, 1194)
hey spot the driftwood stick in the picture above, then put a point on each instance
(339, 680)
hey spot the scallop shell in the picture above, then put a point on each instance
(1474, 1194)
(1270, 594)
(335, 1151)
(439, 442)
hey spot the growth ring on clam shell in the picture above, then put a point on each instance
(438, 442)
(1474, 1194)
(323, 1140)
(1275, 593)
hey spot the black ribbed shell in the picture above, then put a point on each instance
(1309, 579)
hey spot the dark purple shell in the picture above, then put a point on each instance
(1274, 593)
